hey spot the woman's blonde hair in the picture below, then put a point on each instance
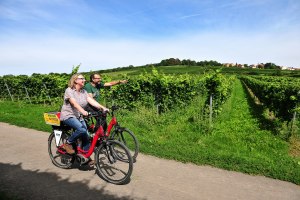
(72, 83)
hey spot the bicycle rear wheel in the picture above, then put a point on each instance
(127, 137)
(114, 162)
(59, 159)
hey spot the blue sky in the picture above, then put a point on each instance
(43, 36)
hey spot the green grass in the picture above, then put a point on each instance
(25, 115)
(236, 141)
(248, 148)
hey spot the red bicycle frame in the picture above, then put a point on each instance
(99, 133)
(112, 123)
(87, 154)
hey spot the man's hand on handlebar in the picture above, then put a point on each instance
(105, 110)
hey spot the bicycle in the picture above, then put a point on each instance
(113, 160)
(114, 130)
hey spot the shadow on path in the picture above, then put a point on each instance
(35, 185)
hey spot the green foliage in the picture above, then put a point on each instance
(280, 94)
(235, 143)
(169, 91)
(157, 89)
(219, 86)
(271, 66)
(75, 69)
(241, 144)
(170, 61)
(187, 62)
(38, 88)
(148, 89)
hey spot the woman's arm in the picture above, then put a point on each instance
(78, 107)
(94, 103)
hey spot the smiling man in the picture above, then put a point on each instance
(96, 84)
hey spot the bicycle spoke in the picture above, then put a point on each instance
(114, 163)
(58, 159)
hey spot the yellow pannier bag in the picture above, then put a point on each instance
(52, 118)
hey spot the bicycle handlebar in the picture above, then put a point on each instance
(102, 113)
(114, 108)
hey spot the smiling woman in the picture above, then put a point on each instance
(76, 100)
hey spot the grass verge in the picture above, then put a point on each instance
(237, 141)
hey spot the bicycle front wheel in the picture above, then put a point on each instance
(114, 162)
(127, 137)
(59, 159)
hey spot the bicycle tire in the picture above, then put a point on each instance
(128, 138)
(64, 161)
(114, 162)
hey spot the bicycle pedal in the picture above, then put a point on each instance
(83, 160)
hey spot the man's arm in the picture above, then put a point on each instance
(112, 83)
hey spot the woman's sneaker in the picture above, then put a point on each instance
(69, 148)
(91, 163)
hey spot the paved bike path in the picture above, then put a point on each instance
(27, 172)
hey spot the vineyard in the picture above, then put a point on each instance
(148, 89)
(202, 118)
(280, 95)
(34, 89)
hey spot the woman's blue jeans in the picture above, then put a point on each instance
(80, 132)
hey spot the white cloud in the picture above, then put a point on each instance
(60, 54)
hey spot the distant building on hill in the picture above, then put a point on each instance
(253, 66)
(258, 66)
(229, 64)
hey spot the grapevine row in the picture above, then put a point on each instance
(280, 94)
(164, 91)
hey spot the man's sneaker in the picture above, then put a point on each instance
(69, 148)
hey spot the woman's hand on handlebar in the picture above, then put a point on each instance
(105, 110)
(86, 113)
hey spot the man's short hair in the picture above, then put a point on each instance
(92, 76)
